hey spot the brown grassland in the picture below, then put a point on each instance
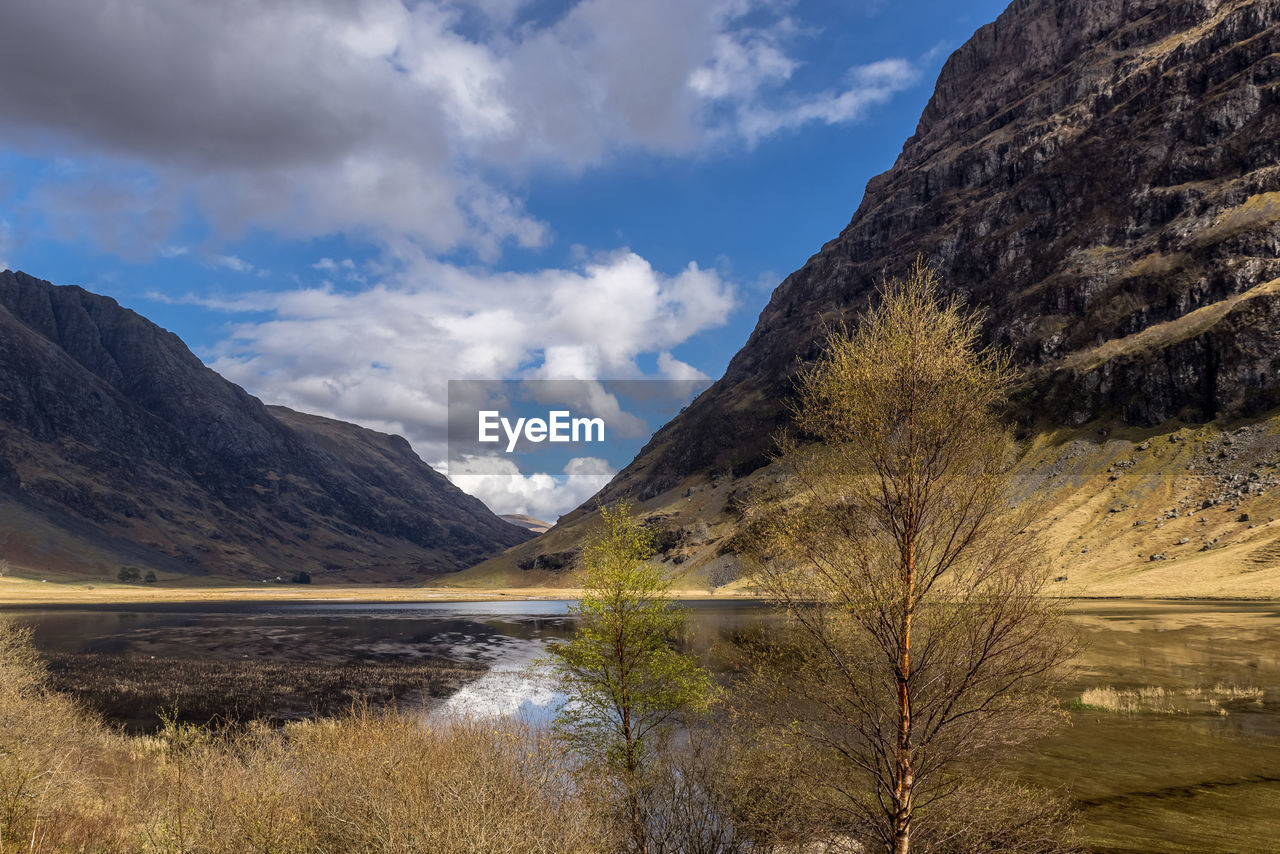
(362, 782)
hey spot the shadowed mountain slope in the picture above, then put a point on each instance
(117, 445)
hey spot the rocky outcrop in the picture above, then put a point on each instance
(1103, 178)
(123, 446)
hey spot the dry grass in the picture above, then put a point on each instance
(1258, 212)
(29, 591)
(1161, 335)
(366, 782)
(1154, 699)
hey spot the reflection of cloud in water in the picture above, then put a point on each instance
(513, 687)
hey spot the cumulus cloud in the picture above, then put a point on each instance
(409, 127)
(383, 355)
(740, 67)
(383, 119)
(674, 369)
(506, 490)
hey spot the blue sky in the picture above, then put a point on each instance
(342, 204)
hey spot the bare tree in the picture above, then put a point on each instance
(918, 648)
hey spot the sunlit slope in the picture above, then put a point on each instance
(1176, 511)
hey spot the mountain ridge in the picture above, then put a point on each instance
(114, 432)
(988, 191)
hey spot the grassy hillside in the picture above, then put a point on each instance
(1177, 511)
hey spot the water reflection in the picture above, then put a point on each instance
(1179, 646)
(507, 637)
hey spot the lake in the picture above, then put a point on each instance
(1174, 743)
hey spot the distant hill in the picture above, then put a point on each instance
(119, 447)
(1102, 177)
(527, 522)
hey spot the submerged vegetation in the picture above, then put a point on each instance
(135, 689)
(1156, 699)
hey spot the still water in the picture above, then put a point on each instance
(504, 637)
(1174, 743)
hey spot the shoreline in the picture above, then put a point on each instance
(25, 593)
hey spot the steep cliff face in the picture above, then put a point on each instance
(1103, 177)
(118, 445)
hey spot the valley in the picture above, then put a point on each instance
(973, 545)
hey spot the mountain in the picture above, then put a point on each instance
(1102, 177)
(118, 446)
(529, 523)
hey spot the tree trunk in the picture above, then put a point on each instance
(633, 801)
(637, 827)
(904, 776)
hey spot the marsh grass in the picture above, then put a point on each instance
(1155, 699)
(367, 781)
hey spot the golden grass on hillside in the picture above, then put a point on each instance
(1257, 212)
(1160, 335)
(366, 782)
(24, 591)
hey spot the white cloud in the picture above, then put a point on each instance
(231, 262)
(500, 13)
(382, 356)
(869, 85)
(589, 467)
(739, 69)
(540, 495)
(345, 270)
(258, 301)
(589, 397)
(674, 369)
(328, 265)
(382, 119)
